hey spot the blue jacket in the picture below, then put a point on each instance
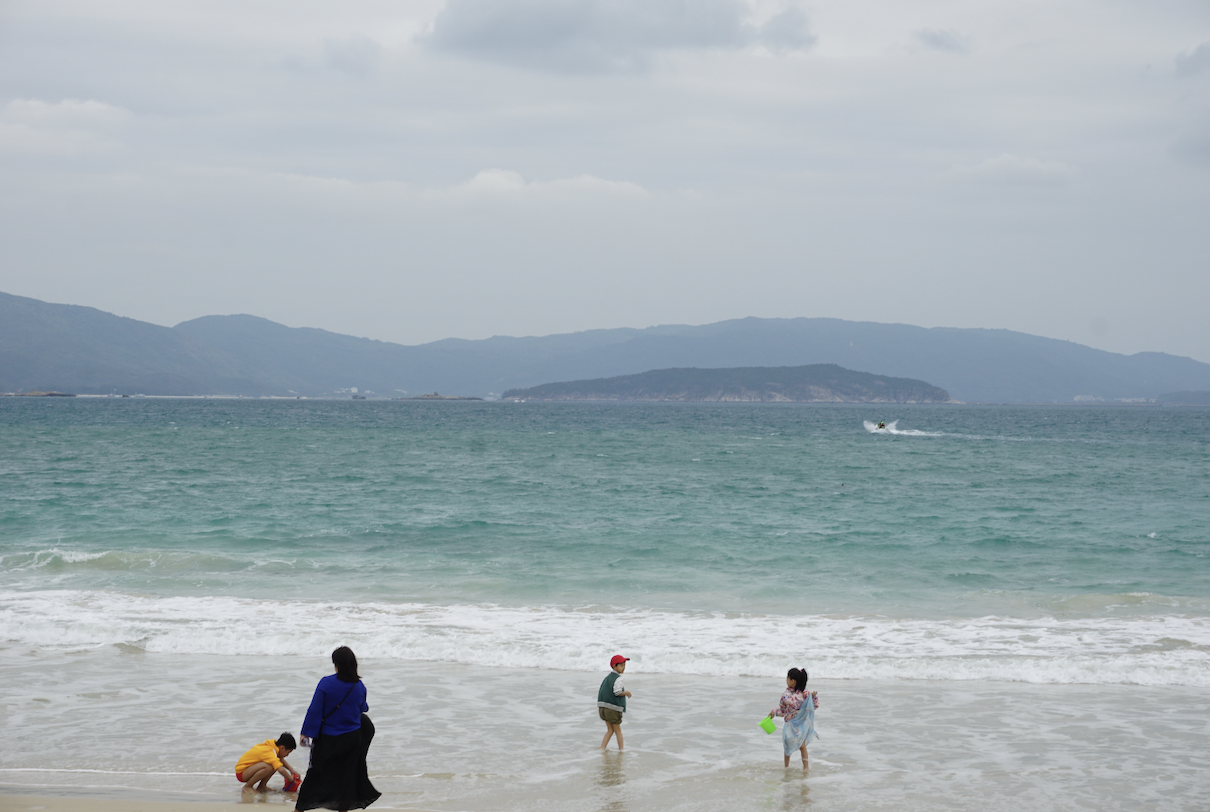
(328, 694)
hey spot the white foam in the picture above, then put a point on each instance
(18, 562)
(891, 428)
(1145, 650)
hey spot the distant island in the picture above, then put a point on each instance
(37, 394)
(815, 383)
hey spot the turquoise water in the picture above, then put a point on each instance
(1036, 578)
(674, 507)
(948, 531)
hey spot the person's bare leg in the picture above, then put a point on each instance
(787, 761)
(608, 735)
(263, 786)
(802, 750)
(261, 772)
(617, 731)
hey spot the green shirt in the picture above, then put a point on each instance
(609, 695)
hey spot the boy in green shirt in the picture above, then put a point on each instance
(611, 701)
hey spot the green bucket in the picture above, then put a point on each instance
(767, 724)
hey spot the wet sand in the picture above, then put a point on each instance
(42, 803)
(693, 744)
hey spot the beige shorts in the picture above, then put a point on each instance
(610, 715)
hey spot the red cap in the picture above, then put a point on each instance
(618, 658)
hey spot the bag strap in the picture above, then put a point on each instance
(338, 704)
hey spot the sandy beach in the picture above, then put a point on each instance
(692, 743)
(42, 803)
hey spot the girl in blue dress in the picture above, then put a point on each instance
(797, 707)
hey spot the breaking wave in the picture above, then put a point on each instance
(1152, 650)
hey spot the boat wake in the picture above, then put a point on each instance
(891, 428)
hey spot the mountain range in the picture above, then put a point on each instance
(70, 348)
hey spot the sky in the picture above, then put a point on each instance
(411, 171)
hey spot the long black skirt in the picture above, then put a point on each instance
(337, 777)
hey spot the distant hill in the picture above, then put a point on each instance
(816, 383)
(79, 349)
(83, 350)
(309, 361)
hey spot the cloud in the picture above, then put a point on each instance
(1014, 170)
(606, 35)
(941, 40)
(357, 55)
(495, 181)
(486, 184)
(1195, 61)
(787, 31)
(504, 181)
(69, 114)
(65, 128)
(1192, 142)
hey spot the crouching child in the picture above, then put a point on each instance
(257, 766)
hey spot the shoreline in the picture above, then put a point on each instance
(13, 801)
(693, 745)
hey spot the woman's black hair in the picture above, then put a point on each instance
(286, 740)
(346, 664)
(799, 675)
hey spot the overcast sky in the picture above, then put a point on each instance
(410, 171)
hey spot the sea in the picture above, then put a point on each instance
(1001, 607)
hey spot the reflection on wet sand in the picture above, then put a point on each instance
(273, 796)
(610, 782)
(795, 790)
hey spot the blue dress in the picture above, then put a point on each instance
(800, 729)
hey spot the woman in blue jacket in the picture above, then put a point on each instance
(339, 733)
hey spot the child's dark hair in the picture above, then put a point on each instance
(286, 740)
(346, 664)
(799, 675)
